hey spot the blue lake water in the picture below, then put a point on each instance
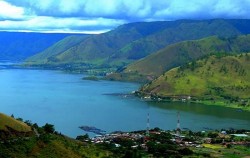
(68, 102)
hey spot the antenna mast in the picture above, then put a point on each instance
(147, 132)
(178, 128)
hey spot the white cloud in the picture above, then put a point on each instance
(101, 8)
(51, 24)
(178, 9)
(107, 14)
(10, 11)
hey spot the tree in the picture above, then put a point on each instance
(186, 151)
(28, 122)
(212, 135)
(19, 119)
(48, 128)
(82, 137)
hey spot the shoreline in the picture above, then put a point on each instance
(188, 99)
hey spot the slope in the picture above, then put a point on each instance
(12, 128)
(133, 41)
(20, 45)
(212, 78)
(183, 52)
(9, 122)
(14, 142)
(57, 48)
(182, 30)
(97, 48)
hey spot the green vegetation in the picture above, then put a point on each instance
(216, 144)
(46, 142)
(160, 143)
(222, 80)
(131, 42)
(130, 77)
(50, 145)
(42, 142)
(12, 127)
(92, 78)
(181, 53)
(48, 55)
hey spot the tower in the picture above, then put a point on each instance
(178, 128)
(147, 131)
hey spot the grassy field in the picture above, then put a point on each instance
(220, 151)
(12, 123)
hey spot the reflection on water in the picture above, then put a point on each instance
(202, 109)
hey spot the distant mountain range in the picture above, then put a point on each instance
(20, 45)
(131, 42)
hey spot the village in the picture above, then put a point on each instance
(158, 142)
(187, 138)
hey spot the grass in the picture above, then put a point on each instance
(12, 123)
(55, 147)
(131, 42)
(214, 80)
(223, 103)
(187, 51)
(236, 151)
(212, 146)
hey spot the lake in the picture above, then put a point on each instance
(68, 102)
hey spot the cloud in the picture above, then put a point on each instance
(51, 24)
(8, 11)
(107, 14)
(205, 9)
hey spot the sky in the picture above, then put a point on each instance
(98, 16)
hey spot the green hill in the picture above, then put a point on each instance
(7, 122)
(214, 78)
(133, 41)
(178, 54)
(181, 30)
(51, 146)
(97, 48)
(18, 140)
(12, 128)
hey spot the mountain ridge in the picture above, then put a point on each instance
(180, 53)
(130, 42)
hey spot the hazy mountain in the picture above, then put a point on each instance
(98, 48)
(20, 45)
(50, 53)
(133, 41)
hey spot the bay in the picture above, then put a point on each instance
(67, 101)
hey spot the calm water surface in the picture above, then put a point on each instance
(68, 102)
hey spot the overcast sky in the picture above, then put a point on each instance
(96, 16)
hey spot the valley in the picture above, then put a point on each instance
(187, 75)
